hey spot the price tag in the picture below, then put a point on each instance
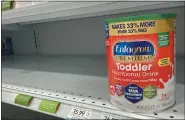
(79, 113)
(49, 106)
(108, 116)
(24, 100)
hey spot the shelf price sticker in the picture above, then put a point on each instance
(49, 106)
(24, 100)
(108, 116)
(79, 113)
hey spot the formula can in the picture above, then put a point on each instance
(140, 54)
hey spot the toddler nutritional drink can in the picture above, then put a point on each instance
(140, 55)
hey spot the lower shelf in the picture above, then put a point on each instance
(76, 82)
(20, 113)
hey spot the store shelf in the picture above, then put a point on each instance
(55, 11)
(74, 81)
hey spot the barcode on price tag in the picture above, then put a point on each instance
(79, 113)
(108, 116)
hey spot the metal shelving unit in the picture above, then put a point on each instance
(45, 67)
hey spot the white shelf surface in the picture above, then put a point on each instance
(74, 81)
(55, 11)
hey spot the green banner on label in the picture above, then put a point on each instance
(24, 100)
(163, 39)
(49, 106)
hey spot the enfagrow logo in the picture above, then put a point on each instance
(133, 51)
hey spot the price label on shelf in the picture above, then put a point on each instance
(24, 100)
(49, 106)
(79, 113)
(108, 116)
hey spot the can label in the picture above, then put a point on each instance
(140, 57)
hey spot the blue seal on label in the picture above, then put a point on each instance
(119, 89)
(133, 93)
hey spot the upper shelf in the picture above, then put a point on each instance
(55, 11)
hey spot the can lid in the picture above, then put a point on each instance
(141, 17)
